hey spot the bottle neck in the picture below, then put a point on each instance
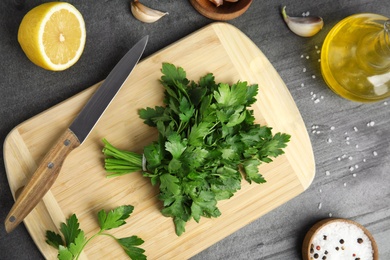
(374, 50)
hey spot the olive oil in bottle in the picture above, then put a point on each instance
(355, 58)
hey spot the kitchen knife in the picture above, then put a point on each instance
(50, 167)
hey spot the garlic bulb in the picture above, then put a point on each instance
(303, 26)
(144, 13)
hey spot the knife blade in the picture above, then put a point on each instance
(50, 166)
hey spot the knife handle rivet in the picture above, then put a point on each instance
(67, 142)
(12, 219)
(50, 165)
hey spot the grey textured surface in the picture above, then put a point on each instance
(27, 90)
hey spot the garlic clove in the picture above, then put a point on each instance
(217, 2)
(303, 26)
(144, 13)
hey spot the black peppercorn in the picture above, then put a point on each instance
(341, 241)
(360, 240)
(337, 248)
(316, 255)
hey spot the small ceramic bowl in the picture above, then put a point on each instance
(227, 11)
(312, 250)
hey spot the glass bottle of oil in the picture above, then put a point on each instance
(355, 58)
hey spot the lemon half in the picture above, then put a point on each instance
(52, 35)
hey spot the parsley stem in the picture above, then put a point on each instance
(120, 162)
(86, 242)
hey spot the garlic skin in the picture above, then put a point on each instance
(303, 26)
(144, 13)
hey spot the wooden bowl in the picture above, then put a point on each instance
(227, 11)
(310, 235)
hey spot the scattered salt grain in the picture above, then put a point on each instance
(302, 85)
(330, 215)
(374, 153)
(329, 140)
(351, 169)
(316, 47)
(319, 60)
(345, 184)
(385, 103)
(332, 128)
(316, 101)
(339, 159)
(319, 205)
(327, 173)
(357, 146)
(307, 57)
(354, 175)
(318, 51)
(371, 123)
(313, 76)
(364, 160)
(355, 129)
(302, 56)
(350, 158)
(304, 69)
(341, 240)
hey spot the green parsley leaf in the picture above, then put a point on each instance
(54, 239)
(65, 254)
(114, 218)
(70, 230)
(77, 246)
(170, 183)
(129, 244)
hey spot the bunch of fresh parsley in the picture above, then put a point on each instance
(74, 238)
(207, 140)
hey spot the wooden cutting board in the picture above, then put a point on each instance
(82, 187)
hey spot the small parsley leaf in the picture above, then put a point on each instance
(54, 239)
(130, 245)
(114, 218)
(70, 230)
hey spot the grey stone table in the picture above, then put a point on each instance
(350, 140)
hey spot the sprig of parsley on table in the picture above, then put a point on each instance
(73, 241)
(207, 141)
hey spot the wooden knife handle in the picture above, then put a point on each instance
(42, 179)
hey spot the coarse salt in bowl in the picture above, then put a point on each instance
(339, 239)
